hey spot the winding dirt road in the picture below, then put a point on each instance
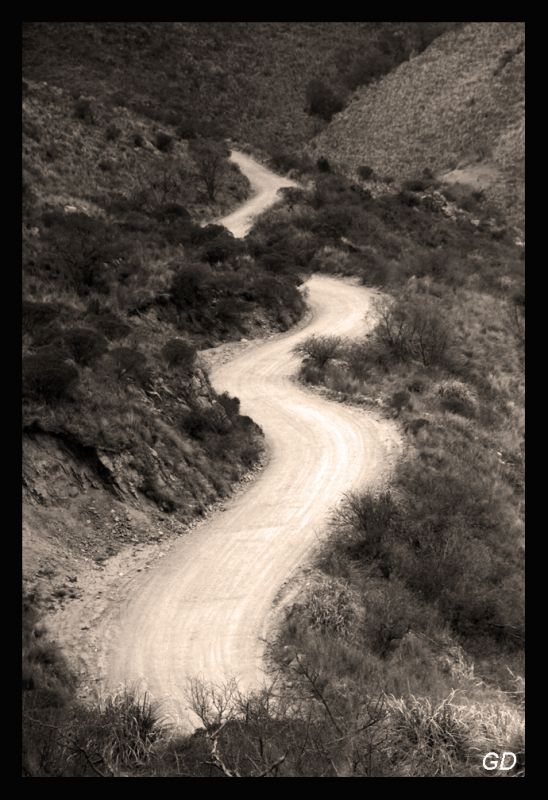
(203, 611)
(265, 185)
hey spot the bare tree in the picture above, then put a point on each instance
(319, 349)
(209, 157)
(311, 729)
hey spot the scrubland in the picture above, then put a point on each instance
(402, 654)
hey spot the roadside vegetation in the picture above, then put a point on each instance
(418, 591)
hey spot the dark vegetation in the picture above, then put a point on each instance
(418, 592)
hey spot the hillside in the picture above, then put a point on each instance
(245, 79)
(457, 109)
(121, 287)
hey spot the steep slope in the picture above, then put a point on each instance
(459, 105)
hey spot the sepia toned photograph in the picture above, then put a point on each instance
(273, 334)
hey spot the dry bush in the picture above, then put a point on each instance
(458, 397)
(179, 353)
(413, 328)
(448, 739)
(331, 606)
(362, 521)
(85, 345)
(48, 377)
(319, 349)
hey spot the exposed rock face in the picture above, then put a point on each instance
(84, 498)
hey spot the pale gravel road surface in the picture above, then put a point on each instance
(265, 185)
(203, 610)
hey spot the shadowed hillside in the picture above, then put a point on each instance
(248, 80)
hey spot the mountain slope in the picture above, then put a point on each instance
(459, 104)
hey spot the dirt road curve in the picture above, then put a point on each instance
(203, 610)
(265, 185)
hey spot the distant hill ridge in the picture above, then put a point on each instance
(459, 104)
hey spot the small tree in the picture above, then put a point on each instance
(209, 157)
(413, 328)
(321, 99)
(319, 349)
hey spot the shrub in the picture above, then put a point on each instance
(358, 358)
(391, 611)
(408, 198)
(107, 165)
(321, 100)
(331, 607)
(85, 344)
(83, 110)
(152, 489)
(48, 377)
(52, 152)
(333, 222)
(417, 385)
(179, 353)
(365, 173)
(363, 521)
(436, 738)
(377, 270)
(413, 328)
(79, 247)
(323, 164)
(163, 142)
(49, 335)
(284, 161)
(110, 324)
(189, 288)
(415, 185)
(458, 397)
(198, 422)
(400, 400)
(230, 404)
(207, 233)
(172, 212)
(37, 315)
(138, 140)
(221, 249)
(319, 349)
(187, 129)
(292, 196)
(112, 133)
(130, 363)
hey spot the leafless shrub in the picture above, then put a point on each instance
(319, 349)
